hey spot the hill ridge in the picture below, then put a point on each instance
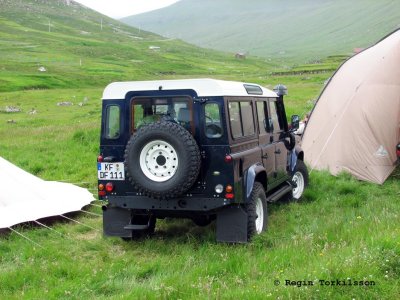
(292, 29)
(49, 44)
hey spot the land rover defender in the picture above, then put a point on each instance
(202, 149)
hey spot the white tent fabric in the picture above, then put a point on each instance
(355, 125)
(25, 197)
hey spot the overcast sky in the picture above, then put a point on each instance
(123, 8)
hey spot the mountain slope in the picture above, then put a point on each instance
(295, 29)
(74, 46)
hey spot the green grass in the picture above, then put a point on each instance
(342, 229)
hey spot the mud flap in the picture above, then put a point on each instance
(232, 225)
(114, 221)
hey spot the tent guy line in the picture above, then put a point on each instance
(80, 223)
(47, 227)
(25, 237)
(91, 213)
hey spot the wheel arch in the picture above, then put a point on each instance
(254, 173)
(296, 153)
(299, 152)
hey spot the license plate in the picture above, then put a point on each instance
(111, 171)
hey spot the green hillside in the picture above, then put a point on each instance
(80, 48)
(298, 30)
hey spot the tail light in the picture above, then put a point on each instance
(229, 189)
(109, 187)
(228, 159)
(229, 196)
(102, 191)
(99, 158)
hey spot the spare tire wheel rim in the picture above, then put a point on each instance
(260, 215)
(158, 161)
(298, 179)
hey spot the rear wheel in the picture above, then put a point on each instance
(257, 217)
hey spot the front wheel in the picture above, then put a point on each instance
(299, 179)
(257, 217)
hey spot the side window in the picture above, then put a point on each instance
(246, 112)
(241, 118)
(274, 121)
(234, 115)
(113, 122)
(262, 116)
(213, 120)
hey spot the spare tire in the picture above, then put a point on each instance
(162, 160)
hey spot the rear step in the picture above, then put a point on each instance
(136, 227)
(288, 187)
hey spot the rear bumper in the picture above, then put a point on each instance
(231, 222)
(187, 204)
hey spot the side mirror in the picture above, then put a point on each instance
(295, 122)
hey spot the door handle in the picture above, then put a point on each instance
(265, 156)
(278, 151)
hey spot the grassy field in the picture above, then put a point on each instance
(342, 229)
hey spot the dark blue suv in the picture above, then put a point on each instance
(202, 149)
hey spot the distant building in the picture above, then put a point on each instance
(240, 55)
(154, 48)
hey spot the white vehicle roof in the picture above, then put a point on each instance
(203, 88)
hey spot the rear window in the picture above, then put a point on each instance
(241, 118)
(150, 110)
(113, 122)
